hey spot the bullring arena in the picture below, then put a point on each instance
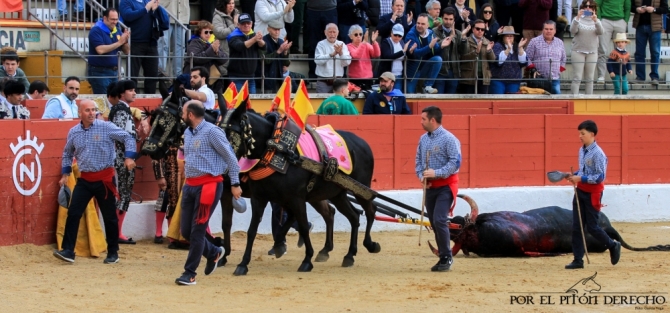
(507, 147)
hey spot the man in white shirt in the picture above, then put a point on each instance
(330, 54)
(64, 105)
(200, 92)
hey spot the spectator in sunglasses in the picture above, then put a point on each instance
(360, 69)
(205, 52)
(476, 55)
(492, 26)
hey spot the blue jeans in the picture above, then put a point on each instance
(617, 86)
(100, 78)
(426, 69)
(62, 7)
(499, 87)
(556, 87)
(177, 34)
(446, 84)
(644, 34)
(240, 82)
(399, 83)
(194, 232)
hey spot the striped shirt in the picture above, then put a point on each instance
(445, 153)
(207, 151)
(592, 164)
(547, 57)
(94, 146)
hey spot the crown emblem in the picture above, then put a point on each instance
(26, 142)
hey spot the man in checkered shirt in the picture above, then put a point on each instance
(208, 155)
(589, 179)
(547, 54)
(442, 150)
(91, 142)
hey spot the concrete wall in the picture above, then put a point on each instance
(624, 203)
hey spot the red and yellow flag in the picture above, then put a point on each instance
(282, 100)
(242, 95)
(301, 107)
(229, 95)
(11, 6)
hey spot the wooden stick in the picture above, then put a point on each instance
(581, 226)
(423, 200)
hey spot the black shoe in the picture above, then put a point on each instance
(301, 241)
(211, 264)
(128, 241)
(575, 265)
(158, 239)
(615, 253)
(176, 245)
(185, 280)
(112, 258)
(443, 265)
(271, 251)
(67, 256)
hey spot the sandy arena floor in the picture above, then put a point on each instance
(396, 280)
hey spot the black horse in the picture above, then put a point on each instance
(167, 129)
(252, 131)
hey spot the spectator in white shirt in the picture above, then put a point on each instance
(200, 92)
(331, 54)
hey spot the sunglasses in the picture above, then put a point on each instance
(488, 12)
(207, 32)
(358, 34)
(480, 29)
(588, 6)
(396, 35)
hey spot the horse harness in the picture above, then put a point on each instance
(282, 151)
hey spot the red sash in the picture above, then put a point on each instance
(596, 191)
(208, 183)
(452, 182)
(107, 178)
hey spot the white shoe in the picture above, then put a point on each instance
(601, 80)
(429, 89)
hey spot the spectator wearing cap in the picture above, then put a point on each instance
(338, 104)
(11, 108)
(424, 56)
(388, 100)
(10, 67)
(350, 13)
(320, 13)
(393, 52)
(276, 54)
(38, 90)
(105, 41)
(397, 16)
(64, 105)
(450, 71)
(245, 48)
(331, 56)
(510, 58)
(280, 11)
(360, 69)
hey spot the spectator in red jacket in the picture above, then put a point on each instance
(535, 14)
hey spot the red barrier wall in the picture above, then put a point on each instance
(520, 106)
(497, 150)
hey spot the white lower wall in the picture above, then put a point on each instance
(624, 203)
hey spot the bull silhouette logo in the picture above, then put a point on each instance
(585, 285)
(20, 170)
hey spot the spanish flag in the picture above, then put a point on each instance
(282, 100)
(242, 95)
(301, 106)
(11, 6)
(229, 95)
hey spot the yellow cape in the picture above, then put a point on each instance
(90, 239)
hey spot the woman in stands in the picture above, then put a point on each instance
(360, 69)
(492, 27)
(205, 51)
(585, 28)
(510, 58)
(394, 51)
(224, 23)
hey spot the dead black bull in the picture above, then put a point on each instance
(539, 232)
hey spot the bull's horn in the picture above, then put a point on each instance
(474, 209)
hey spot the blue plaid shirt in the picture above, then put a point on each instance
(207, 151)
(445, 153)
(592, 164)
(94, 146)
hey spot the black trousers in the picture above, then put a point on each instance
(81, 196)
(438, 203)
(590, 220)
(144, 55)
